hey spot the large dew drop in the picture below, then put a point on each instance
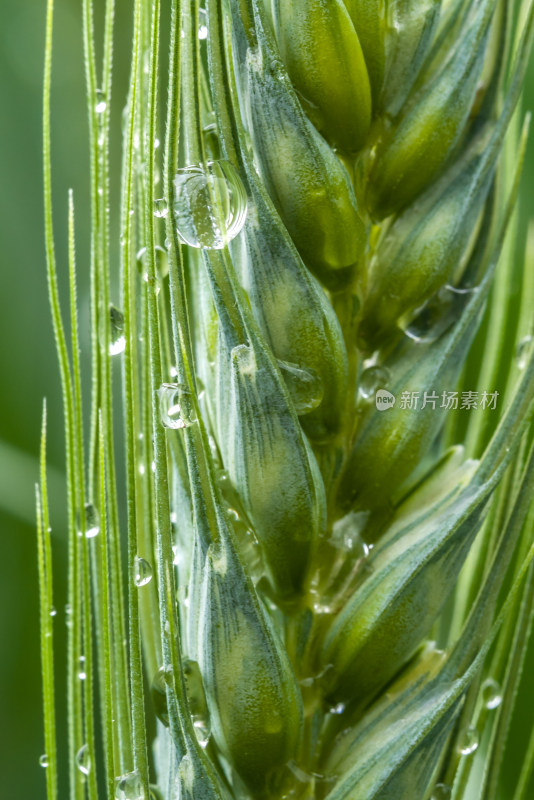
(210, 204)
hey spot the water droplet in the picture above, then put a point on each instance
(210, 205)
(142, 571)
(160, 208)
(92, 522)
(129, 787)
(175, 555)
(202, 731)
(202, 24)
(161, 262)
(468, 741)
(83, 760)
(372, 379)
(304, 385)
(175, 406)
(441, 792)
(491, 694)
(82, 674)
(303, 777)
(53, 611)
(195, 692)
(320, 606)
(523, 351)
(101, 103)
(337, 709)
(439, 313)
(347, 533)
(210, 134)
(68, 615)
(43, 760)
(158, 691)
(117, 342)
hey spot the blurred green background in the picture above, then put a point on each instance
(27, 355)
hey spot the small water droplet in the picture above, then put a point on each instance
(372, 379)
(182, 596)
(195, 692)
(161, 262)
(347, 533)
(175, 406)
(101, 103)
(232, 513)
(441, 792)
(321, 607)
(160, 208)
(491, 694)
(53, 611)
(439, 313)
(202, 24)
(68, 615)
(202, 731)
(210, 134)
(523, 351)
(210, 205)
(142, 571)
(304, 385)
(117, 342)
(337, 709)
(129, 786)
(158, 691)
(43, 760)
(82, 674)
(92, 522)
(83, 760)
(468, 741)
(175, 555)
